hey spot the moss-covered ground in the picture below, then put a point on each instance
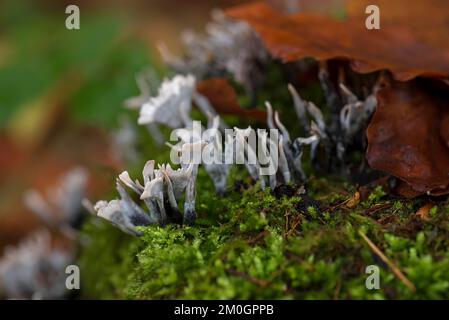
(275, 245)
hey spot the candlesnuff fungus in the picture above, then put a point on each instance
(217, 169)
(161, 190)
(316, 126)
(304, 108)
(123, 213)
(145, 80)
(34, 269)
(273, 151)
(125, 141)
(61, 207)
(343, 129)
(228, 48)
(356, 113)
(248, 155)
(172, 105)
(290, 160)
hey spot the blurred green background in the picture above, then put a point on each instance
(62, 91)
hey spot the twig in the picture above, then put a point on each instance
(293, 227)
(398, 273)
(337, 290)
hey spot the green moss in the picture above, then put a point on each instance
(376, 195)
(107, 261)
(251, 244)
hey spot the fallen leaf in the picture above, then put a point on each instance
(394, 48)
(409, 134)
(321, 6)
(430, 27)
(402, 188)
(224, 99)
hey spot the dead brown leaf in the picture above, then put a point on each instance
(395, 48)
(294, 6)
(224, 99)
(408, 136)
(428, 20)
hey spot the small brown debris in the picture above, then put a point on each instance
(424, 211)
(350, 203)
(353, 201)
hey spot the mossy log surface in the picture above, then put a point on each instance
(253, 244)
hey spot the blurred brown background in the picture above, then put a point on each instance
(40, 139)
(61, 92)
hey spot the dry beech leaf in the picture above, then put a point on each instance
(428, 19)
(294, 6)
(409, 134)
(395, 48)
(224, 99)
(402, 188)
